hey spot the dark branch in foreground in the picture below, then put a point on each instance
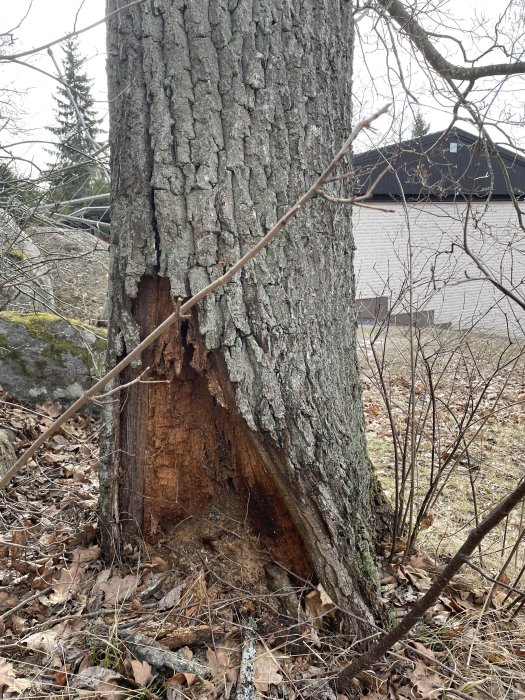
(370, 657)
(421, 40)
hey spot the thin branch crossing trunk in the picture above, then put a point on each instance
(219, 118)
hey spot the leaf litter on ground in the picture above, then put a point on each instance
(68, 619)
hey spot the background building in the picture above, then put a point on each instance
(443, 189)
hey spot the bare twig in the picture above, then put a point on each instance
(356, 201)
(37, 49)
(183, 309)
(421, 40)
(416, 650)
(137, 380)
(24, 602)
(492, 579)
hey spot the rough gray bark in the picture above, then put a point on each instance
(221, 115)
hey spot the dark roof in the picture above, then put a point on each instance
(443, 165)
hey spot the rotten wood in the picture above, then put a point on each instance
(173, 637)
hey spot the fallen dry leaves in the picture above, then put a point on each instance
(67, 636)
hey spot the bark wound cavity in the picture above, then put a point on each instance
(197, 458)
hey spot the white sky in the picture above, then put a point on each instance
(50, 19)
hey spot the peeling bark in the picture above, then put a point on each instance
(221, 115)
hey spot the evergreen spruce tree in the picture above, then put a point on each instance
(420, 127)
(73, 174)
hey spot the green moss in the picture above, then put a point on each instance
(38, 326)
(18, 253)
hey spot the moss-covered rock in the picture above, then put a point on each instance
(45, 357)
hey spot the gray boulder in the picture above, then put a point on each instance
(25, 283)
(44, 357)
(78, 267)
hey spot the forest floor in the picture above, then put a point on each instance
(196, 627)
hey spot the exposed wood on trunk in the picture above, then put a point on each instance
(202, 457)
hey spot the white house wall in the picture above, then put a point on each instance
(444, 280)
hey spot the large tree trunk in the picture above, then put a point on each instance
(222, 113)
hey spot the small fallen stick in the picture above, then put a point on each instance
(246, 684)
(146, 649)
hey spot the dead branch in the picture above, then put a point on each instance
(353, 200)
(476, 535)
(420, 38)
(449, 670)
(182, 310)
(246, 687)
(146, 649)
(137, 380)
(177, 637)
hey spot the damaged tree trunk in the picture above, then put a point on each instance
(222, 114)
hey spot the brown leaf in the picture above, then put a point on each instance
(141, 672)
(7, 600)
(9, 679)
(67, 585)
(182, 679)
(317, 604)
(223, 662)
(46, 642)
(117, 589)
(55, 457)
(60, 677)
(427, 681)
(91, 676)
(266, 671)
(53, 409)
(159, 564)
(18, 624)
(18, 537)
(422, 648)
(171, 598)
(82, 555)
(177, 679)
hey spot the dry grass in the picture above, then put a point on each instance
(467, 373)
(486, 643)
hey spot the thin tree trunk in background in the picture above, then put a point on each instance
(221, 115)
